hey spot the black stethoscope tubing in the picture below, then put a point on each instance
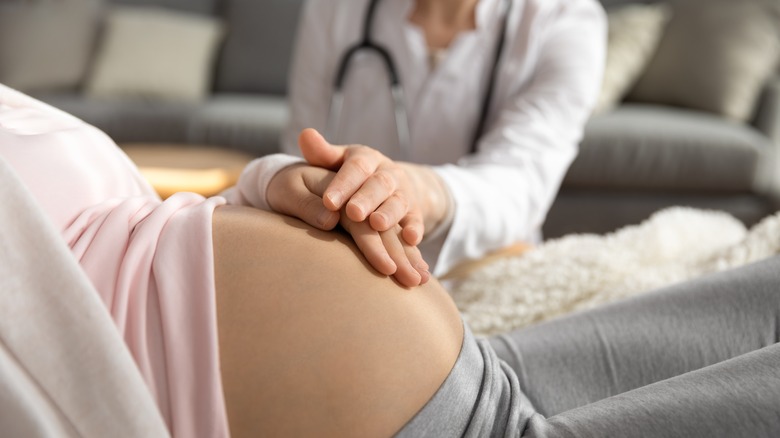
(401, 120)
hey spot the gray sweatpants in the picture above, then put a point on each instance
(698, 359)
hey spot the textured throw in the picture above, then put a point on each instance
(581, 271)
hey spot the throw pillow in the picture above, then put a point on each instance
(157, 54)
(715, 55)
(47, 45)
(634, 33)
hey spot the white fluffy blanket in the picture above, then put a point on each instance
(581, 271)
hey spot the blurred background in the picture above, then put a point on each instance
(689, 112)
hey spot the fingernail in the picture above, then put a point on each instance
(419, 274)
(335, 198)
(391, 263)
(324, 217)
(425, 276)
(357, 210)
(411, 236)
(382, 219)
(422, 266)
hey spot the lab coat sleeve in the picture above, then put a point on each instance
(502, 193)
(311, 74)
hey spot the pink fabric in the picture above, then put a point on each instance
(150, 260)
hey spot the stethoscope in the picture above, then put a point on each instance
(396, 89)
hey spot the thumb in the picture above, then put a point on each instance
(318, 152)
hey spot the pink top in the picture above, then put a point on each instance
(150, 260)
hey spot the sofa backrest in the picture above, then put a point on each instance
(256, 54)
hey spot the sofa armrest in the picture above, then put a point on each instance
(767, 117)
(767, 120)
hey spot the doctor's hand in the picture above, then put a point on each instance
(369, 186)
(388, 253)
(297, 191)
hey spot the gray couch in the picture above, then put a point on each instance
(246, 109)
(642, 157)
(633, 161)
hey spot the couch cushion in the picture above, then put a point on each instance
(250, 123)
(601, 211)
(259, 45)
(611, 3)
(47, 45)
(715, 55)
(199, 6)
(653, 147)
(155, 53)
(127, 122)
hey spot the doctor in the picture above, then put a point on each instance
(487, 98)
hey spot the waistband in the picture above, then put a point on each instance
(480, 397)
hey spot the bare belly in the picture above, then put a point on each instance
(313, 342)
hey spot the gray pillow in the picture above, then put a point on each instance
(715, 55)
(152, 53)
(634, 33)
(46, 45)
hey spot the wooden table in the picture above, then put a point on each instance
(172, 168)
(463, 270)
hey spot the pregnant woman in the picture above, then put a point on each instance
(247, 323)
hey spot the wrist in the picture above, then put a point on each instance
(256, 178)
(433, 196)
(279, 185)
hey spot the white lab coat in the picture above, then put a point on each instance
(548, 81)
